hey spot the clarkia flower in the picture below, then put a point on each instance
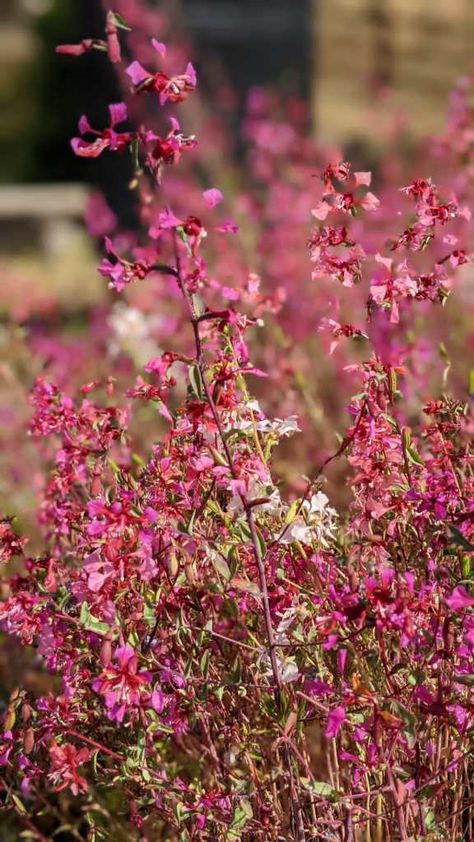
(173, 89)
(66, 760)
(122, 685)
(107, 138)
(335, 721)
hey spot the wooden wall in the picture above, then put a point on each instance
(417, 47)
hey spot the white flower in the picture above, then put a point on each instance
(278, 426)
(315, 522)
(254, 492)
(254, 406)
(132, 333)
(287, 669)
(289, 426)
(297, 531)
(286, 620)
(318, 502)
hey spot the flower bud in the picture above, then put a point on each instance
(28, 740)
(173, 565)
(190, 573)
(106, 652)
(9, 720)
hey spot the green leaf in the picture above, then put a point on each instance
(323, 789)
(245, 585)
(149, 614)
(242, 815)
(119, 22)
(113, 466)
(430, 821)
(466, 567)
(464, 678)
(19, 806)
(458, 538)
(90, 622)
(292, 512)
(134, 152)
(195, 381)
(180, 810)
(204, 664)
(221, 566)
(412, 455)
(242, 531)
(408, 449)
(261, 543)
(189, 527)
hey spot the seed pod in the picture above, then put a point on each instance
(106, 652)
(190, 573)
(218, 457)
(28, 741)
(9, 720)
(173, 565)
(25, 713)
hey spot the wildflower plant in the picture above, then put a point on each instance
(203, 634)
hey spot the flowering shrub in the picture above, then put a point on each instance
(202, 632)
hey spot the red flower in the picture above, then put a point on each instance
(65, 761)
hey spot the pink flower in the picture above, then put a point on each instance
(227, 227)
(159, 47)
(173, 89)
(167, 150)
(334, 721)
(121, 684)
(122, 272)
(79, 49)
(460, 599)
(213, 197)
(106, 139)
(98, 216)
(321, 210)
(65, 762)
(370, 202)
(158, 700)
(363, 178)
(137, 73)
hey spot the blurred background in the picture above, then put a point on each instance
(337, 54)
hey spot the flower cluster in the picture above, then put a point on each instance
(193, 621)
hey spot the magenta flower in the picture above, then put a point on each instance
(121, 684)
(212, 197)
(122, 272)
(460, 599)
(81, 48)
(169, 89)
(335, 721)
(106, 139)
(168, 150)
